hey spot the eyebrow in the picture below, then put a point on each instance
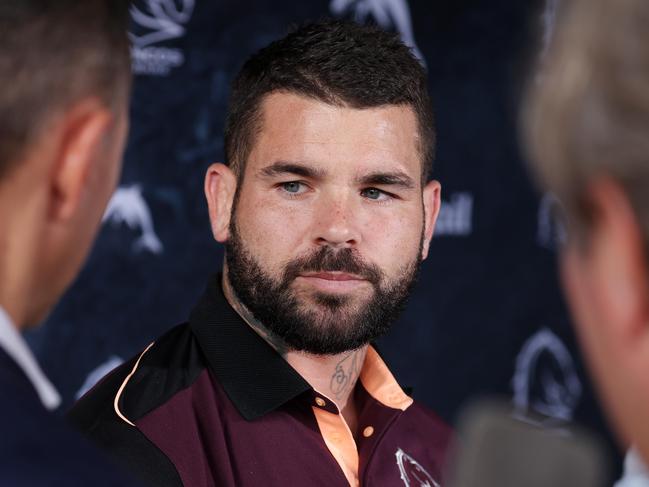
(379, 178)
(396, 178)
(281, 167)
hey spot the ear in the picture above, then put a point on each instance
(432, 203)
(220, 188)
(612, 266)
(80, 136)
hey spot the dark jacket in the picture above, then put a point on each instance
(37, 449)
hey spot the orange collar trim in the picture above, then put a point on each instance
(381, 384)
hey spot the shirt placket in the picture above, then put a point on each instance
(340, 440)
(374, 423)
(337, 436)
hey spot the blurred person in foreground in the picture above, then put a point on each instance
(326, 213)
(65, 79)
(587, 127)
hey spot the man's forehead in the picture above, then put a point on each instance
(297, 128)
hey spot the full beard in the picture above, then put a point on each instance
(318, 322)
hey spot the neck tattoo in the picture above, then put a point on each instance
(346, 373)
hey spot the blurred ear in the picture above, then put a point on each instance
(432, 203)
(611, 270)
(220, 188)
(81, 134)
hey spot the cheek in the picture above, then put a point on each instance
(273, 232)
(393, 240)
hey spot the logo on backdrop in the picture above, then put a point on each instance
(548, 22)
(455, 216)
(128, 206)
(389, 14)
(551, 230)
(545, 379)
(157, 21)
(413, 474)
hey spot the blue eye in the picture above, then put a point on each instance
(372, 193)
(292, 187)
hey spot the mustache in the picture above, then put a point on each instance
(326, 259)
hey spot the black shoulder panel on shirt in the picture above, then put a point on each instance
(133, 451)
(172, 364)
(169, 366)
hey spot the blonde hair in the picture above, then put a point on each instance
(587, 110)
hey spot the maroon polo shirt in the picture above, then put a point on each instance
(210, 403)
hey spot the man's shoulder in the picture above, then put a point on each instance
(422, 440)
(431, 424)
(106, 414)
(38, 448)
(428, 414)
(168, 365)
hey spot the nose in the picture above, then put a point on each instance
(336, 223)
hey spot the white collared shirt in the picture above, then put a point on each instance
(14, 344)
(635, 471)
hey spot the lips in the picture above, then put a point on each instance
(332, 282)
(334, 267)
(334, 276)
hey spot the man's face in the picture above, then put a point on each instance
(329, 225)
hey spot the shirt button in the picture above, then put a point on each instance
(367, 432)
(320, 402)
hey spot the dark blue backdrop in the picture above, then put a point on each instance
(487, 316)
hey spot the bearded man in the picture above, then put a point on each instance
(326, 214)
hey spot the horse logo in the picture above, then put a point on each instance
(389, 14)
(413, 474)
(545, 379)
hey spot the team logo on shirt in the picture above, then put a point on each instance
(412, 473)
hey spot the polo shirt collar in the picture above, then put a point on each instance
(16, 347)
(254, 376)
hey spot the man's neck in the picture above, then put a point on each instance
(335, 376)
(23, 209)
(16, 268)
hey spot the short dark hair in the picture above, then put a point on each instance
(53, 53)
(337, 62)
